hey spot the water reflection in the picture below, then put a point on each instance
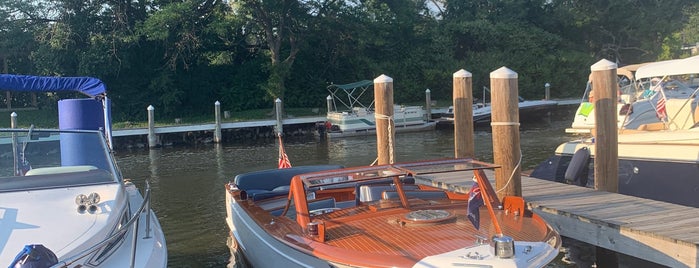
(187, 182)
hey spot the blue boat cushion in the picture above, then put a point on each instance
(421, 194)
(273, 182)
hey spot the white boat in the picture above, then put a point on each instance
(63, 190)
(529, 111)
(641, 88)
(658, 156)
(376, 216)
(659, 165)
(64, 202)
(357, 118)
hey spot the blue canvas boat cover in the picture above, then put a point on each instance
(92, 87)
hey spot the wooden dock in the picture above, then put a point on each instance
(655, 231)
(212, 126)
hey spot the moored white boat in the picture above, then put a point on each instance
(642, 87)
(63, 200)
(658, 140)
(375, 216)
(63, 190)
(357, 118)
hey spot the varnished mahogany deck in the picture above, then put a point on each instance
(380, 231)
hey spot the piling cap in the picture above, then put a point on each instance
(329, 97)
(603, 65)
(278, 100)
(150, 108)
(383, 79)
(217, 103)
(503, 72)
(462, 74)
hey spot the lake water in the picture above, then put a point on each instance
(188, 182)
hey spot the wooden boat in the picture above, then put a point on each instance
(376, 216)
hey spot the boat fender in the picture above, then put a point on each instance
(577, 170)
(34, 256)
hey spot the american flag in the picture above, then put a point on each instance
(475, 201)
(660, 107)
(283, 158)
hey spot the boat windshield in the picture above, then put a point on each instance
(351, 175)
(40, 159)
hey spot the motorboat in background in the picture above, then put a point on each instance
(658, 141)
(376, 216)
(357, 118)
(529, 110)
(64, 202)
(659, 165)
(642, 87)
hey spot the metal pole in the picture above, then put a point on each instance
(329, 101)
(217, 112)
(428, 106)
(151, 127)
(547, 95)
(278, 108)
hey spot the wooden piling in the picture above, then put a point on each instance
(464, 145)
(606, 170)
(152, 140)
(385, 132)
(504, 97)
(604, 82)
(217, 114)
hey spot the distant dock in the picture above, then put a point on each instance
(203, 133)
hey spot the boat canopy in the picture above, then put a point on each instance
(669, 67)
(351, 86)
(92, 87)
(351, 94)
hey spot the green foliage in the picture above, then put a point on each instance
(181, 56)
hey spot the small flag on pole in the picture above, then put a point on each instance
(283, 158)
(475, 201)
(660, 107)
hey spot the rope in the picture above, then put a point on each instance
(390, 137)
(519, 162)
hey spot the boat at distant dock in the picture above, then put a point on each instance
(357, 116)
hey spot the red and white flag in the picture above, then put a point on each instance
(283, 158)
(660, 107)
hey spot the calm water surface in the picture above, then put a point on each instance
(188, 182)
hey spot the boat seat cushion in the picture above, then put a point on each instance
(421, 194)
(273, 178)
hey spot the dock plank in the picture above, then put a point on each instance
(656, 231)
